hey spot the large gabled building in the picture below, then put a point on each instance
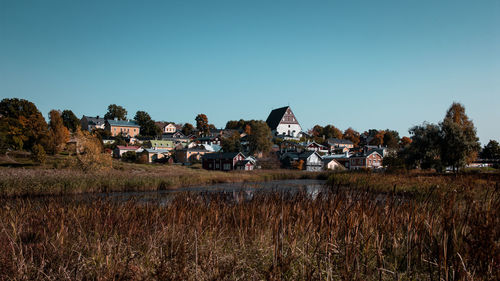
(284, 124)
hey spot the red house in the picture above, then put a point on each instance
(370, 160)
(222, 161)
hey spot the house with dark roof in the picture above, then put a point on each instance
(90, 123)
(123, 128)
(223, 161)
(284, 124)
(177, 137)
(314, 146)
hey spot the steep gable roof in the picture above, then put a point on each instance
(274, 118)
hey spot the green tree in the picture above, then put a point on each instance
(232, 143)
(70, 120)
(425, 148)
(148, 126)
(391, 139)
(460, 144)
(58, 133)
(116, 111)
(187, 129)
(491, 150)
(202, 125)
(22, 125)
(129, 156)
(38, 154)
(260, 137)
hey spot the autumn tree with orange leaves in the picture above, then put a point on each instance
(58, 133)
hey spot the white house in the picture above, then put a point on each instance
(283, 123)
(329, 163)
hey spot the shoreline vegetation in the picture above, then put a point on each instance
(57, 178)
(17, 182)
(450, 231)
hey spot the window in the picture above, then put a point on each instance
(227, 166)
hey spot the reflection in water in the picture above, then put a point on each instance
(235, 192)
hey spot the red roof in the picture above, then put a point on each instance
(123, 147)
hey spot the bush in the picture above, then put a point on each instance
(129, 156)
(38, 154)
(142, 159)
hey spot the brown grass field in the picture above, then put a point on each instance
(367, 227)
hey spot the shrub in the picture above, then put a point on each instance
(129, 156)
(38, 154)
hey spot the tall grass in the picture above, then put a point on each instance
(27, 182)
(341, 235)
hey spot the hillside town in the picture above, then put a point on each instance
(279, 142)
(290, 146)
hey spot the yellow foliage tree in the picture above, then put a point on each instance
(58, 133)
(89, 154)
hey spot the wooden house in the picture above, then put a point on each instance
(222, 161)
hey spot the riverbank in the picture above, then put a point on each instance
(132, 177)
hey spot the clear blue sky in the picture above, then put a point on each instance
(361, 64)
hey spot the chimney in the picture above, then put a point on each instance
(116, 118)
(97, 116)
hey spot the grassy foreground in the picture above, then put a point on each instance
(127, 177)
(347, 234)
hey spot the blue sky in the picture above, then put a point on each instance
(361, 64)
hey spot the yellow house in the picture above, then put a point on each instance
(124, 128)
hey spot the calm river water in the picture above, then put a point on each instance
(231, 191)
